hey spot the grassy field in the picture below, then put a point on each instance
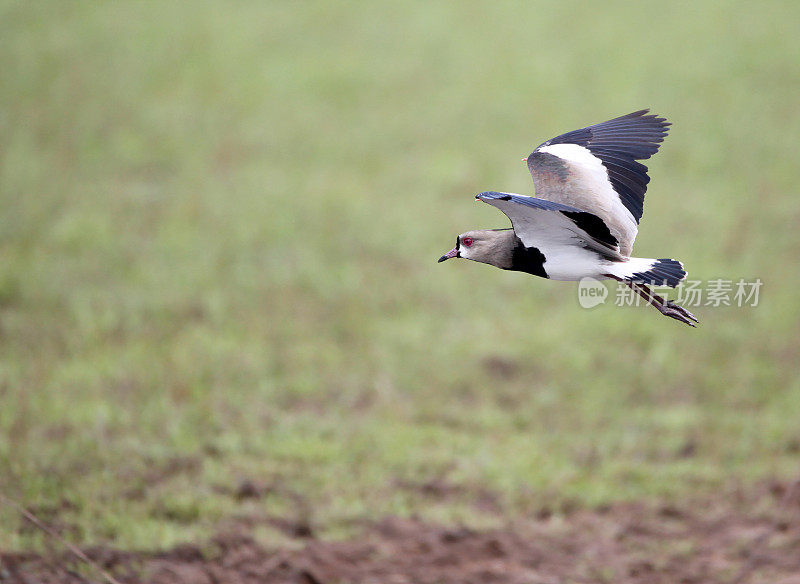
(218, 244)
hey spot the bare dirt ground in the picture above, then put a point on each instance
(739, 537)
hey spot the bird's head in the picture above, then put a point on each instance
(490, 246)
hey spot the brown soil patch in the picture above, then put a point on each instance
(736, 538)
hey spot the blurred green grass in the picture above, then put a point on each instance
(218, 261)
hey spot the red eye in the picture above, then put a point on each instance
(467, 241)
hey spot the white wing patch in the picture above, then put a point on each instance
(575, 153)
(588, 172)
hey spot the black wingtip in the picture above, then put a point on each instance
(644, 113)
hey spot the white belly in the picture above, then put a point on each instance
(573, 263)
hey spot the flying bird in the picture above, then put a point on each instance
(584, 219)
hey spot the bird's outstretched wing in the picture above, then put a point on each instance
(594, 169)
(548, 225)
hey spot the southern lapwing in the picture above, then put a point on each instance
(584, 219)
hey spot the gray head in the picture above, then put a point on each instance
(490, 246)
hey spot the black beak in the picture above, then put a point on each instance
(453, 253)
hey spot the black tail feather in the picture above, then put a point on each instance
(665, 272)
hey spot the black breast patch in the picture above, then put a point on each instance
(527, 259)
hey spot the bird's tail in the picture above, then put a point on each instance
(661, 272)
